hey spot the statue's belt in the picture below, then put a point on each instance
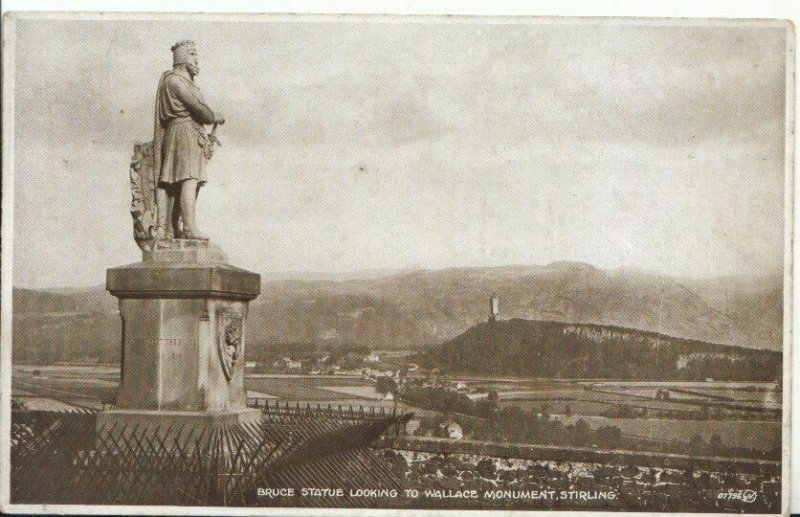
(184, 120)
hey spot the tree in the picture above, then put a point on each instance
(696, 445)
(581, 432)
(609, 436)
(715, 443)
(386, 385)
(492, 399)
(545, 412)
(352, 361)
(486, 468)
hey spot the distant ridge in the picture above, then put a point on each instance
(421, 308)
(324, 276)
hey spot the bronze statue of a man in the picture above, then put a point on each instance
(181, 146)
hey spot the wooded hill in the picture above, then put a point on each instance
(525, 348)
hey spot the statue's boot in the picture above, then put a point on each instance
(160, 233)
(195, 235)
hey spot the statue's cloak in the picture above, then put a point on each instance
(158, 130)
(145, 172)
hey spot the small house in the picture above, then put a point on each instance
(452, 429)
(412, 426)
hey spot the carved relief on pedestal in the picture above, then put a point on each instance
(230, 341)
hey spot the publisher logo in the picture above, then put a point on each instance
(746, 496)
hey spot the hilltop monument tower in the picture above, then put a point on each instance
(494, 308)
(183, 307)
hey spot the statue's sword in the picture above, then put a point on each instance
(213, 136)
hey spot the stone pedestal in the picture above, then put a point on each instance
(184, 312)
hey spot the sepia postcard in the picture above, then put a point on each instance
(295, 264)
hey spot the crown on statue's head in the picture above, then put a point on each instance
(180, 51)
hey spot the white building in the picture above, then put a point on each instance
(412, 426)
(452, 430)
(288, 363)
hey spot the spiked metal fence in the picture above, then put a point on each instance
(60, 458)
(277, 410)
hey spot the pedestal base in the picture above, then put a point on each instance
(183, 315)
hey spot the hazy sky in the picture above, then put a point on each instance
(365, 145)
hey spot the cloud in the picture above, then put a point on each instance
(355, 144)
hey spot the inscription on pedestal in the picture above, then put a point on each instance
(174, 348)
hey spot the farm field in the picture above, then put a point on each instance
(70, 382)
(85, 391)
(767, 397)
(260, 395)
(46, 404)
(588, 407)
(97, 383)
(503, 386)
(594, 397)
(366, 392)
(69, 371)
(755, 434)
(735, 385)
(75, 369)
(318, 388)
(593, 402)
